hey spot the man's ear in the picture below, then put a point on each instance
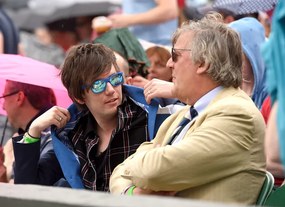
(229, 19)
(203, 68)
(79, 101)
(128, 80)
(21, 98)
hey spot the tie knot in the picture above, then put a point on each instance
(193, 112)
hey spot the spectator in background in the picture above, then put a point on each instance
(274, 54)
(40, 46)
(253, 74)
(84, 28)
(181, 16)
(23, 103)
(63, 33)
(150, 20)
(273, 160)
(158, 57)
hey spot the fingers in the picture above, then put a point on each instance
(59, 118)
(150, 90)
(54, 116)
(148, 96)
(60, 115)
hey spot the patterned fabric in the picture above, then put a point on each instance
(125, 139)
(239, 7)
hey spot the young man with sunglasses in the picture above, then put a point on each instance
(105, 125)
(213, 149)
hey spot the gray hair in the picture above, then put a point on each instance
(216, 44)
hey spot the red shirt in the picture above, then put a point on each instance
(181, 3)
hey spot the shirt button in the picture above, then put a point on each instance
(127, 172)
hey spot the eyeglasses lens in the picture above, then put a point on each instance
(98, 86)
(174, 55)
(116, 79)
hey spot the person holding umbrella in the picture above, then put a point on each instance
(106, 123)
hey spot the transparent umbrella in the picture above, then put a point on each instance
(39, 12)
(240, 7)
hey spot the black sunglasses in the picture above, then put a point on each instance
(175, 54)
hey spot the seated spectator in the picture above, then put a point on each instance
(253, 73)
(24, 103)
(213, 149)
(158, 57)
(105, 125)
(274, 59)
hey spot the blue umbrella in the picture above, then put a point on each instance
(239, 7)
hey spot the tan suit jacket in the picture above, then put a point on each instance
(221, 157)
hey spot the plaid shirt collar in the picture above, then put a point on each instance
(96, 171)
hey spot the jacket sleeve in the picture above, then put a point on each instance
(218, 147)
(117, 183)
(35, 166)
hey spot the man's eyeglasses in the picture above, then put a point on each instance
(175, 54)
(9, 94)
(99, 86)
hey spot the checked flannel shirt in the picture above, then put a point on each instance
(126, 138)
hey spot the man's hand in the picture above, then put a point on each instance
(158, 88)
(56, 115)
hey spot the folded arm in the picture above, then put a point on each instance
(213, 147)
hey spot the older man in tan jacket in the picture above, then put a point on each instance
(213, 149)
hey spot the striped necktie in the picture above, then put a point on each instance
(183, 123)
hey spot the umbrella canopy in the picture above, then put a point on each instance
(239, 7)
(27, 70)
(40, 12)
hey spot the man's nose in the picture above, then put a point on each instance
(109, 89)
(170, 63)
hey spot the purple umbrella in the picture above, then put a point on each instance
(239, 7)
